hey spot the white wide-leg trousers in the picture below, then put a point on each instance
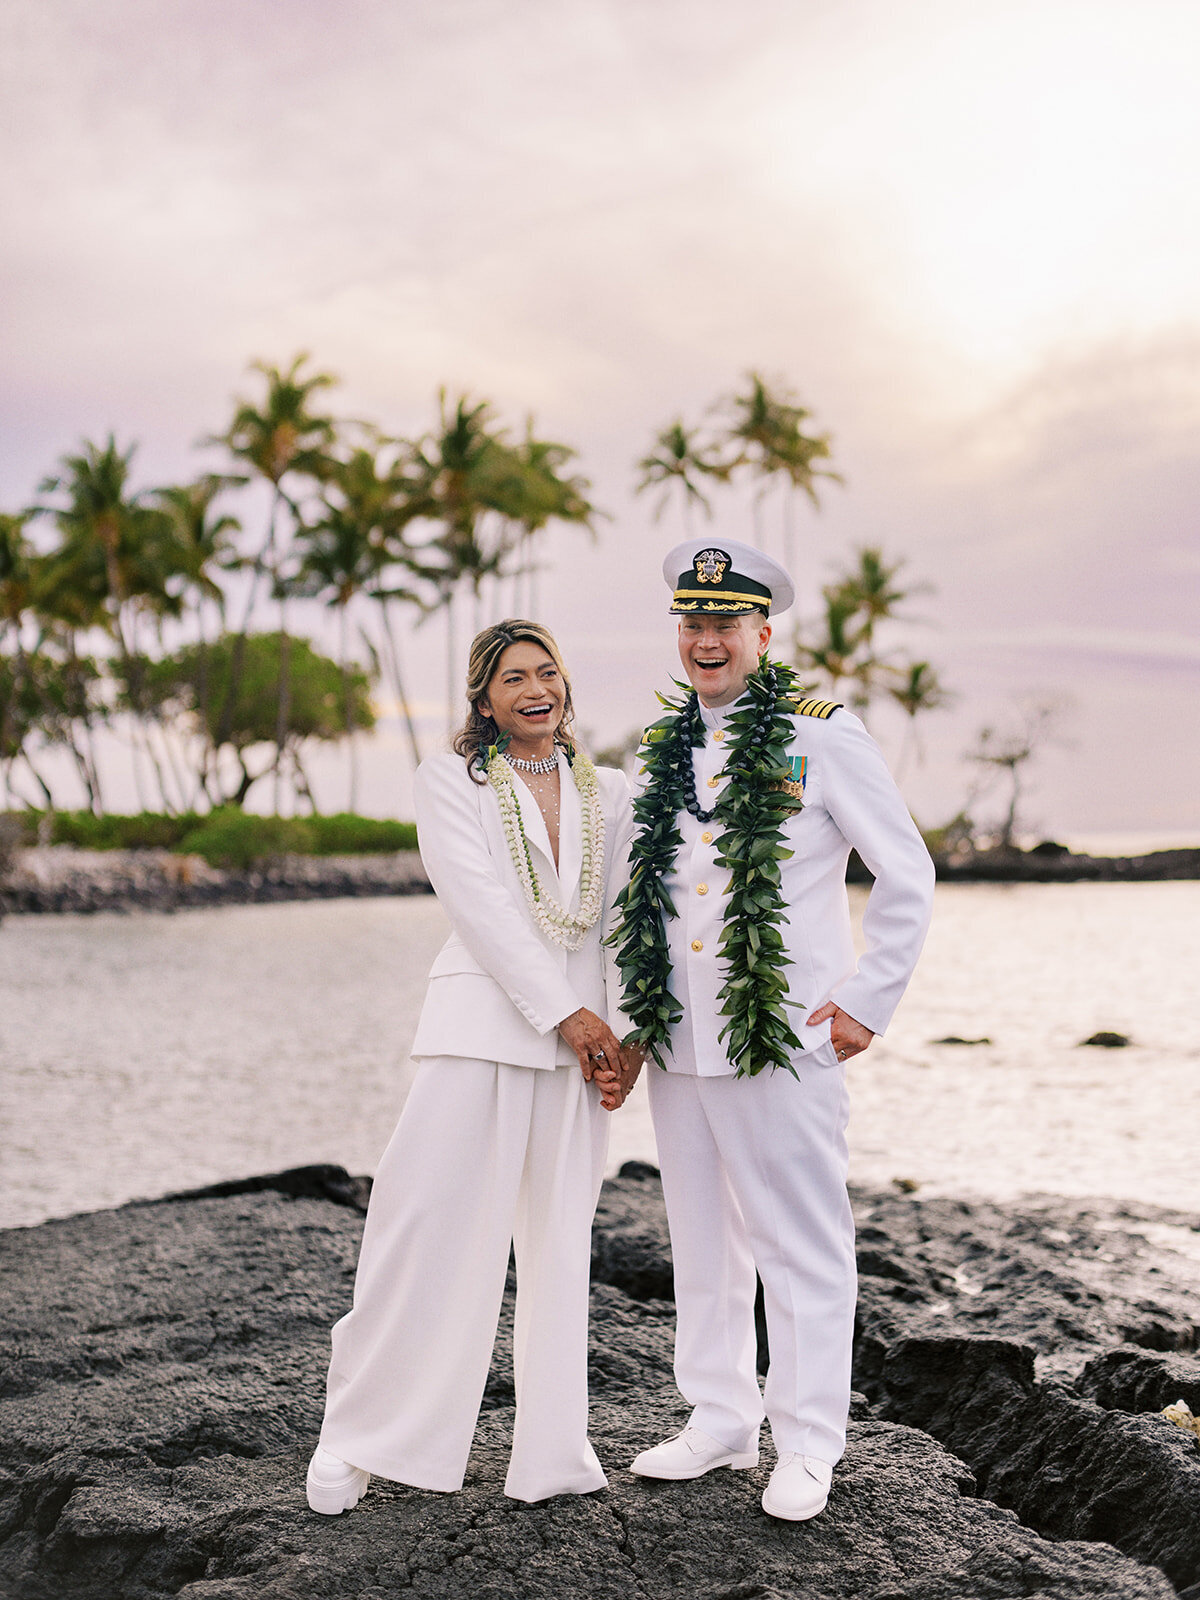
(485, 1155)
(754, 1175)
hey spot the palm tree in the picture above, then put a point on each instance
(285, 436)
(766, 429)
(537, 494)
(678, 461)
(357, 535)
(872, 586)
(463, 477)
(920, 690)
(835, 652)
(115, 565)
(205, 545)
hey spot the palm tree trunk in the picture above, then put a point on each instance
(347, 723)
(39, 780)
(393, 655)
(284, 704)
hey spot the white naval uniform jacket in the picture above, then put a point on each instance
(499, 988)
(850, 800)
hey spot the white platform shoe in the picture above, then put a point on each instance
(690, 1454)
(333, 1484)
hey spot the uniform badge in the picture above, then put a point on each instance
(793, 787)
(710, 566)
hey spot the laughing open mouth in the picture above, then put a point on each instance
(711, 663)
(536, 711)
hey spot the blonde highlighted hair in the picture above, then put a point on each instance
(479, 731)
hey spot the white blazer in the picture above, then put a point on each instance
(498, 988)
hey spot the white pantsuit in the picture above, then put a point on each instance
(754, 1169)
(501, 1142)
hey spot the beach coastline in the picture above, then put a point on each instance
(60, 878)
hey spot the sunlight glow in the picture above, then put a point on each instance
(1026, 168)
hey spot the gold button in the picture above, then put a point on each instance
(718, 736)
(706, 838)
(713, 782)
(697, 944)
(701, 888)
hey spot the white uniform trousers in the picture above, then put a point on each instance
(485, 1155)
(754, 1175)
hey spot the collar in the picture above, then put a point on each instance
(717, 716)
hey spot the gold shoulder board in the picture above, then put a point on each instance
(817, 708)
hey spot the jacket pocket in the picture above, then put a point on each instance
(452, 958)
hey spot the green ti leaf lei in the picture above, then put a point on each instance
(751, 811)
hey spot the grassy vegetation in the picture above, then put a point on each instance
(229, 837)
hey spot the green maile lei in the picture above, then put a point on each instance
(751, 811)
(566, 928)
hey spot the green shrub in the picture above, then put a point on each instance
(225, 837)
(346, 834)
(236, 839)
(148, 830)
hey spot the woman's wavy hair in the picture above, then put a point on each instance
(479, 731)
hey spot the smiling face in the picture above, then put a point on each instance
(720, 652)
(526, 698)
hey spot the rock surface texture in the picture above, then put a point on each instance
(59, 878)
(162, 1381)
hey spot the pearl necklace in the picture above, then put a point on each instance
(545, 765)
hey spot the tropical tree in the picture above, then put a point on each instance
(113, 568)
(353, 546)
(1006, 752)
(538, 494)
(486, 498)
(871, 586)
(283, 438)
(678, 462)
(919, 690)
(834, 650)
(241, 715)
(843, 648)
(766, 429)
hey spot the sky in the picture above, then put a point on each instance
(967, 236)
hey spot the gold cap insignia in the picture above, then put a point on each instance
(711, 566)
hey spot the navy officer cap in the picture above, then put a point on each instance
(725, 578)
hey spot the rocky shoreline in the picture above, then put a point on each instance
(60, 878)
(163, 1376)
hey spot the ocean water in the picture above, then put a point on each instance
(140, 1054)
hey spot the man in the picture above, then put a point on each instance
(769, 792)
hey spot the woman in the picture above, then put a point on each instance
(503, 1137)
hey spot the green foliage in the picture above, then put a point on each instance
(236, 839)
(231, 688)
(340, 835)
(147, 830)
(751, 812)
(345, 834)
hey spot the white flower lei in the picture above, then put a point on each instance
(566, 928)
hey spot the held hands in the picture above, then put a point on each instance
(849, 1038)
(601, 1057)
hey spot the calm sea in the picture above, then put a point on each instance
(145, 1053)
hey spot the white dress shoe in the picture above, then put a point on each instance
(333, 1484)
(798, 1489)
(690, 1454)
